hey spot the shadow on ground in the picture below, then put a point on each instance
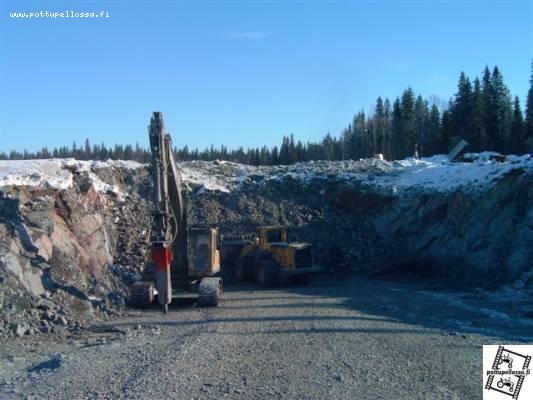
(426, 303)
(420, 304)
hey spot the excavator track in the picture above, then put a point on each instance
(142, 293)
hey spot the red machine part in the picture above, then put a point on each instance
(162, 257)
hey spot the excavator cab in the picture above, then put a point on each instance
(204, 258)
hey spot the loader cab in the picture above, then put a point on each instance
(271, 234)
(203, 255)
(292, 255)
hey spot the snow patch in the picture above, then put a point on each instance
(36, 173)
(58, 173)
(223, 176)
(437, 174)
(431, 174)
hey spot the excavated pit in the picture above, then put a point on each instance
(72, 238)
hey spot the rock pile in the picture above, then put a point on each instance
(42, 315)
(132, 220)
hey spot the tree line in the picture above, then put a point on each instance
(482, 112)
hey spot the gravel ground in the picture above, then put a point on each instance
(336, 339)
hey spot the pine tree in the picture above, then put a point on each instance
(529, 115)
(379, 126)
(292, 150)
(387, 130)
(422, 122)
(489, 107)
(354, 144)
(408, 135)
(284, 157)
(396, 129)
(446, 134)
(518, 137)
(346, 138)
(433, 131)
(503, 111)
(275, 156)
(478, 134)
(128, 152)
(360, 136)
(87, 151)
(461, 110)
(104, 154)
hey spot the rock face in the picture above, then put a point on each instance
(62, 251)
(72, 241)
(485, 236)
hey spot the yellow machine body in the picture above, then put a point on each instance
(204, 258)
(290, 255)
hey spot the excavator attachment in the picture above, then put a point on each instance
(162, 258)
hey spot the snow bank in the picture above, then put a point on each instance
(58, 173)
(223, 176)
(438, 174)
(123, 164)
(432, 174)
(39, 173)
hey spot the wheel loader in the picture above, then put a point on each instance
(268, 257)
(184, 259)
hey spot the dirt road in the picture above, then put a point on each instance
(336, 339)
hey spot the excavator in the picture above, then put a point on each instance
(184, 259)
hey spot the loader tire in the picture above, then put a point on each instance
(266, 273)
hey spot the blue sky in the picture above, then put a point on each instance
(240, 73)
